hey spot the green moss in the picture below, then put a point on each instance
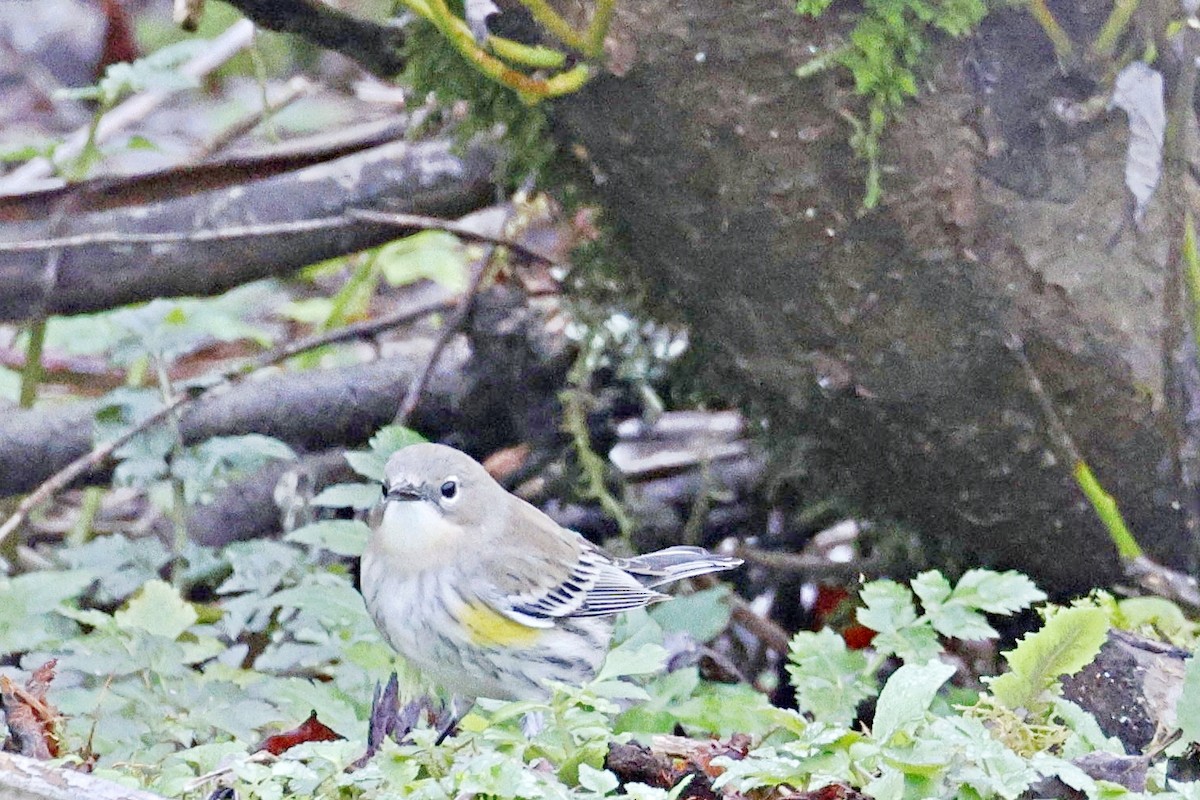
(883, 54)
(435, 66)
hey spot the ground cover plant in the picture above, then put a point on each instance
(175, 686)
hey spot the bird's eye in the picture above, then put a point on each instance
(383, 489)
(449, 489)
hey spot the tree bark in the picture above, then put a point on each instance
(214, 239)
(876, 343)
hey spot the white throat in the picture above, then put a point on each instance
(417, 532)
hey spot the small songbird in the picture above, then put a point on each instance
(487, 596)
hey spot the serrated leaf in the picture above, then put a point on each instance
(978, 760)
(157, 609)
(387, 440)
(344, 537)
(997, 592)
(1068, 641)
(31, 610)
(906, 697)
(957, 621)
(887, 606)
(914, 644)
(359, 496)
(829, 678)
(932, 588)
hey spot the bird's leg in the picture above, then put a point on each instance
(447, 721)
(386, 718)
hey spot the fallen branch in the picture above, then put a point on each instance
(253, 229)
(95, 456)
(24, 778)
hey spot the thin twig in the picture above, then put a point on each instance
(1058, 430)
(815, 567)
(203, 235)
(68, 474)
(291, 91)
(766, 630)
(451, 327)
(350, 218)
(449, 226)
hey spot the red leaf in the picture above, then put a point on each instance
(311, 730)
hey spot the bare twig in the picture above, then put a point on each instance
(292, 91)
(68, 474)
(202, 235)
(1178, 587)
(766, 630)
(449, 329)
(1062, 439)
(816, 567)
(449, 226)
(350, 218)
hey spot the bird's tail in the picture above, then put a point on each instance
(675, 563)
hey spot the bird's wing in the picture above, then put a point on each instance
(566, 576)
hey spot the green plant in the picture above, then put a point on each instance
(920, 745)
(882, 54)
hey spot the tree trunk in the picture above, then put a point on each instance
(879, 344)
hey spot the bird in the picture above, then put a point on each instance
(488, 597)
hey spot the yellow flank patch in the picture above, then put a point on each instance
(487, 626)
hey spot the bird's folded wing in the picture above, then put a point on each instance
(565, 577)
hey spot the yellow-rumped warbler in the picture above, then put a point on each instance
(487, 596)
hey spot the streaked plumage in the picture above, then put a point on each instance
(486, 595)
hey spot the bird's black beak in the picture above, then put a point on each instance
(402, 493)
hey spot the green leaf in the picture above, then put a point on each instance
(632, 659)
(342, 537)
(932, 588)
(259, 566)
(978, 761)
(704, 614)
(29, 604)
(914, 644)
(830, 680)
(387, 440)
(888, 785)
(887, 606)
(436, 255)
(121, 565)
(600, 781)
(997, 592)
(906, 697)
(1068, 641)
(1187, 709)
(359, 496)
(215, 462)
(157, 609)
